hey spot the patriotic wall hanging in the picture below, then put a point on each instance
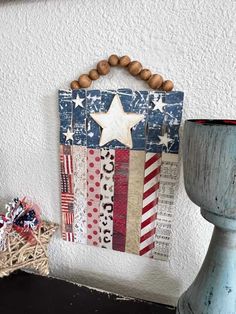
(119, 168)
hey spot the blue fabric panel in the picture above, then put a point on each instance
(79, 117)
(65, 112)
(159, 121)
(165, 121)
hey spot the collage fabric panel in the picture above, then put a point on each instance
(116, 197)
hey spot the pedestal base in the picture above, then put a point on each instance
(214, 289)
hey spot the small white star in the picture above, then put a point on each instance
(69, 135)
(164, 140)
(158, 104)
(116, 123)
(78, 101)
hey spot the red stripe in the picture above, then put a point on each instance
(69, 217)
(64, 203)
(149, 162)
(70, 179)
(70, 236)
(148, 235)
(67, 199)
(150, 206)
(148, 221)
(151, 190)
(152, 175)
(147, 249)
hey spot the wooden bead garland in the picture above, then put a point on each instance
(84, 81)
(124, 61)
(103, 67)
(74, 85)
(94, 75)
(167, 86)
(135, 68)
(145, 74)
(113, 60)
(155, 81)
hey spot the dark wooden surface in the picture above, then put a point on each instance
(24, 293)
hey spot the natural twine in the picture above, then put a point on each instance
(21, 253)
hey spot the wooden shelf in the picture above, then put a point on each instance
(24, 293)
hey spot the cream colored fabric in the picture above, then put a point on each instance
(135, 200)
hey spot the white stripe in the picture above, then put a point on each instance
(149, 213)
(149, 155)
(69, 164)
(152, 167)
(151, 182)
(146, 243)
(150, 198)
(149, 227)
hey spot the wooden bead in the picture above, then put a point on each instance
(74, 85)
(103, 67)
(94, 75)
(145, 74)
(124, 61)
(167, 86)
(155, 81)
(135, 68)
(113, 60)
(84, 81)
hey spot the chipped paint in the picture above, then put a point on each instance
(212, 188)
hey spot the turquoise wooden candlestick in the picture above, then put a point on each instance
(209, 157)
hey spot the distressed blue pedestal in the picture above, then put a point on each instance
(209, 175)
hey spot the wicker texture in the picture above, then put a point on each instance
(21, 253)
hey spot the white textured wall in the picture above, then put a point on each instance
(46, 44)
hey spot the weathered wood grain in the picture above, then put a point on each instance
(210, 167)
(209, 156)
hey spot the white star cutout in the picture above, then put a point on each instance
(78, 101)
(164, 140)
(158, 104)
(69, 135)
(116, 123)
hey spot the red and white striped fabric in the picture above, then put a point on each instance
(68, 218)
(68, 165)
(68, 236)
(67, 202)
(150, 201)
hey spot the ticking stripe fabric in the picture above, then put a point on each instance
(150, 203)
(116, 197)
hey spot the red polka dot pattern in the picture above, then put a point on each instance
(93, 189)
